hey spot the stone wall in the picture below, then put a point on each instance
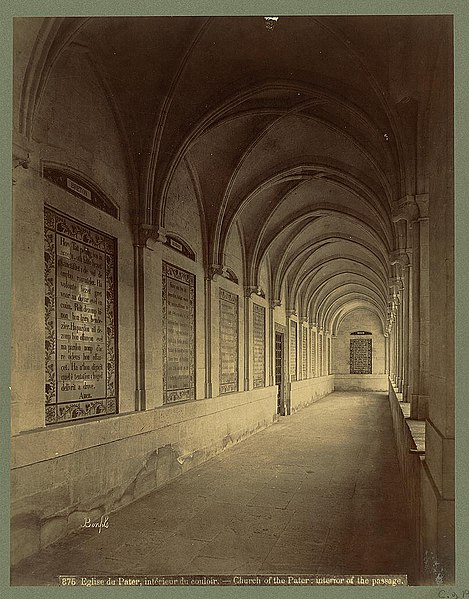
(360, 382)
(439, 484)
(62, 475)
(359, 320)
(412, 469)
(306, 392)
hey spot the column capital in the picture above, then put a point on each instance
(275, 303)
(21, 157)
(220, 270)
(249, 290)
(146, 233)
(291, 312)
(422, 200)
(395, 287)
(400, 256)
(405, 208)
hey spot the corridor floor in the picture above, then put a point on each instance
(319, 492)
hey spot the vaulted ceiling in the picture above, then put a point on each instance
(305, 136)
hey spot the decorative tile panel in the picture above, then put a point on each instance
(80, 320)
(293, 350)
(178, 294)
(360, 356)
(228, 341)
(304, 353)
(258, 345)
(313, 354)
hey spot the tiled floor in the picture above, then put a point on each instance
(318, 493)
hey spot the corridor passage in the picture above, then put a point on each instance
(319, 492)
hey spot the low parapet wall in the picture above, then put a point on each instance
(411, 460)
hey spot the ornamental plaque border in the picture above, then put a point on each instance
(231, 386)
(177, 273)
(293, 327)
(57, 413)
(258, 381)
(367, 344)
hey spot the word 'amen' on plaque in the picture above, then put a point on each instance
(178, 334)
(258, 326)
(80, 320)
(228, 342)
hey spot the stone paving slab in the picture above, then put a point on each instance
(317, 493)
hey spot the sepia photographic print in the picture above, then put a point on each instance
(232, 344)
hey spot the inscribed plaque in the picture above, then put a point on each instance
(258, 345)
(313, 353)
(178, 291)
(293, 365)
(360, 356)
(320, 348)
(304, 353)
(228, 342)
(80, 320)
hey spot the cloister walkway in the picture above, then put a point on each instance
(319, 492)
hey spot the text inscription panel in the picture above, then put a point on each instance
(320, 348)
(293, 342)
(304, 354)
(258, 345)
(313, 353)
(80, 306)
(228, 342)
(178, 334)
(360, 356)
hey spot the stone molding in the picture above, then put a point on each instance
(250, 290)
(145, 234)
(220, 270)
(405, 209)
(400, 256)
(21, 157)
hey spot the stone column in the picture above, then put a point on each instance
(212, 271)
(407, 330)
(424, 309)
(140, 391)
(146, 239)
(247, 335)
(386, 353)
(414, 210)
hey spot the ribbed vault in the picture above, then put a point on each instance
(301, 137)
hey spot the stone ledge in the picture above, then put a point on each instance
(48, 443)
(416, 427)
